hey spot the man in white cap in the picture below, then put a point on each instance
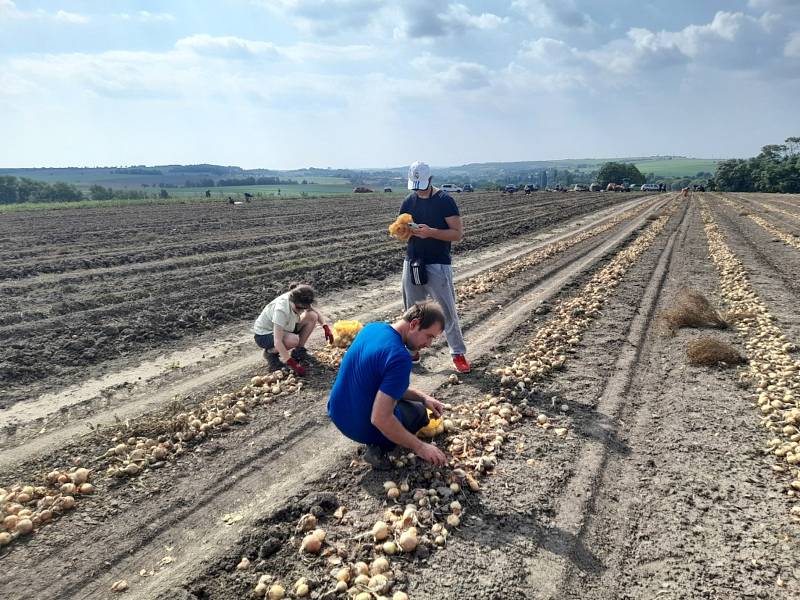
(427, 268)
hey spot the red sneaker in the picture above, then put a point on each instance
(461, 364)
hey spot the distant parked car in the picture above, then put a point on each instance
(510, 189)
(468, 187)
(650, 187)
(362, 190)
(451, 187)
(387, 190)
(579, 187)
(530, 188)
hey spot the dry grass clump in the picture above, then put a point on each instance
(691, 309)
(709, 351)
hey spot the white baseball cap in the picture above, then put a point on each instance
(419, 173)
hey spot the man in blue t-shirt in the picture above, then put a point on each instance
(437, 225)
(371, 401)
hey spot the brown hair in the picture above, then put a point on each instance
(428, 313)
(301, 294)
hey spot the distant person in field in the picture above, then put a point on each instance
(439, 225)
(284, 326)
(372, 402)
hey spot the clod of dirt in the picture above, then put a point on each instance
(270, 546)
(691, 309)
(708, 351)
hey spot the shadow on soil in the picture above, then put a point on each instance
(525, 532)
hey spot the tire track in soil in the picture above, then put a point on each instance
(762, 255)
(769, 215)
(765, 262)
(688, 513)
(549, 571)
(139, 540)
(612, 522)
(782, 220)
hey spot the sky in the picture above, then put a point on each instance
(377, 83)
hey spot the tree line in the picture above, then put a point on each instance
(15, 190)
(18, 190)
(775, 169)
(209, 183)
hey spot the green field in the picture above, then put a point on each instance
(678, 167)
(220, 195)
(289, 191)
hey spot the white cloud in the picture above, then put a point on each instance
(554, 13)
(406, 18)
(792, 48)
(144, 16)
(68, 17)
(548, 50)
(307, 52)
(327, 17)
(185, 71)
(442, 73)
(226, 46)
(9, 10)
(730, 41)
(231, 47)
(432, 19)
(459, 15)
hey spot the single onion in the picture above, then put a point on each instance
(380, 531)
(24, 527)
(379, 565)
(311, 544)
(408, 540)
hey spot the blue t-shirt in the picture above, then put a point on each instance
(377, 360)
(432, 212)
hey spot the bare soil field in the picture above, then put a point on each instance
(85, 290)
(589, 458)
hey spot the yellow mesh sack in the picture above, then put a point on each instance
(400, 229)
(344, 332)
(433, 428)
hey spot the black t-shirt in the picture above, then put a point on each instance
(432, 212)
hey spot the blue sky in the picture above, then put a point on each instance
(369, 83)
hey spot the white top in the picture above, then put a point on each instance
(277, 312)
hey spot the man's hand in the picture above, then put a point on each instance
(328, 333)
(431, 454)
(436, 407)
(423, 231)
